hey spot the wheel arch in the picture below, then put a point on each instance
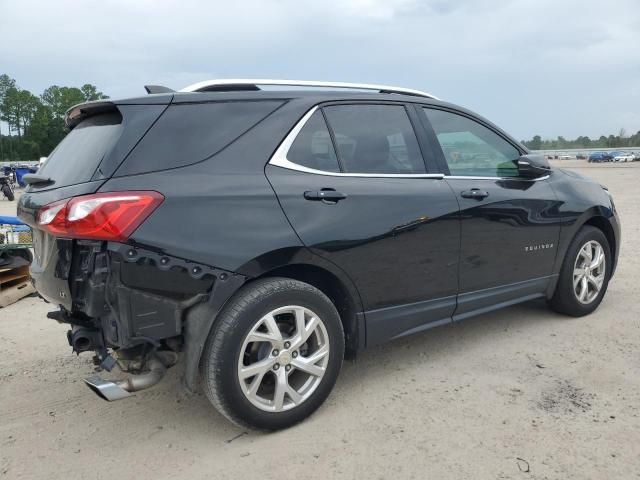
(601, 223)
(297, 263)
(598, 217)
(340, 291)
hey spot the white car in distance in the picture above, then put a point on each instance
(623, 157)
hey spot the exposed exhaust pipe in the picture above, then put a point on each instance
(83, 339)
(123, 388)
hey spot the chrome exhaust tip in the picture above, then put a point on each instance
(105, 389)
(156, 368)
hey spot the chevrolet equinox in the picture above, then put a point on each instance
(261, 235)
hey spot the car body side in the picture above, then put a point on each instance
(222, 225)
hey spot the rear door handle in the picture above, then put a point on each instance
(475, 193)
(324, 195)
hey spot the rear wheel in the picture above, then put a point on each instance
(585, 274)
(273, 355)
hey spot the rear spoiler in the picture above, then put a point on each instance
(79, 112)
(151, 89)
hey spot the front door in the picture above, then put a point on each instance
(357, 192)
(509, 225)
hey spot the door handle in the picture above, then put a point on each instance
(324, 195)
(475, 193)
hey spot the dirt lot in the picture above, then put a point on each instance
(521, 393)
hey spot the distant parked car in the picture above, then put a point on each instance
(598, 157)
(623, 156)
(565, 157)
(581, 156)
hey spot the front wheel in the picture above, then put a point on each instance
(273, 355)
(585, 274)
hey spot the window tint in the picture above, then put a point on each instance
(189, 133)
(471, 149)
(375, 139)
(312, 148)
(77, 157)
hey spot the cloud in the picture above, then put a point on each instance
(534, 67)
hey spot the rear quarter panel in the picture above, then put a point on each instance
(221, 211)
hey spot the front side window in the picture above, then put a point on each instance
(375, 139)
(313, 148)
(471, 149)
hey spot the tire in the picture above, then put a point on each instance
(566, 297)
(227, 354)
(6, 190)
(22, 253)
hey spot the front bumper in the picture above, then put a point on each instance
(616, 227)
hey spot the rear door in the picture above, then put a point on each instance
(352, 181)
(509, 225)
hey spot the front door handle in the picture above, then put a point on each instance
(325, 195)
(475, 193)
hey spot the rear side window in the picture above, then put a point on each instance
(77, 157)
(189, 133)
(375, 139)
(313, 148)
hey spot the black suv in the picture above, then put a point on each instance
(264, 235)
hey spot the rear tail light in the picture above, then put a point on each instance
(111, 216)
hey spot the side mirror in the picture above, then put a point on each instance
(533, 166)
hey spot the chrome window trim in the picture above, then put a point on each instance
(522, 179)
(305, 83)
(279, 158)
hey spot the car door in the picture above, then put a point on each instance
(352, 180)
(509, 225)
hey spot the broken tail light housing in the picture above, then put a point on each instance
(110, 216)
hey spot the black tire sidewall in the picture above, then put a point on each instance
(226, 358)
(6, 190)
(22, 253)
(564, 299)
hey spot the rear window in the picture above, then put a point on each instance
(189, 133)
(77, 157)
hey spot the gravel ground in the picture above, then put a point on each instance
(521, 393)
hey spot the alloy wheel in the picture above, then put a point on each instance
(283, 358)
(589, 272)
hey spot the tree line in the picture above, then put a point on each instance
(34, 125)
(612, 141)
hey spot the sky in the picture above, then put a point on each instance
(545, 67)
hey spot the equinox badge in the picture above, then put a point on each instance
(542, 246)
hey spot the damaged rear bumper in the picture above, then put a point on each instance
(125, 299)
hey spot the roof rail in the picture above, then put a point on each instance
(235, 84)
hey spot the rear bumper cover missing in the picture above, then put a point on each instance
(134, 296)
